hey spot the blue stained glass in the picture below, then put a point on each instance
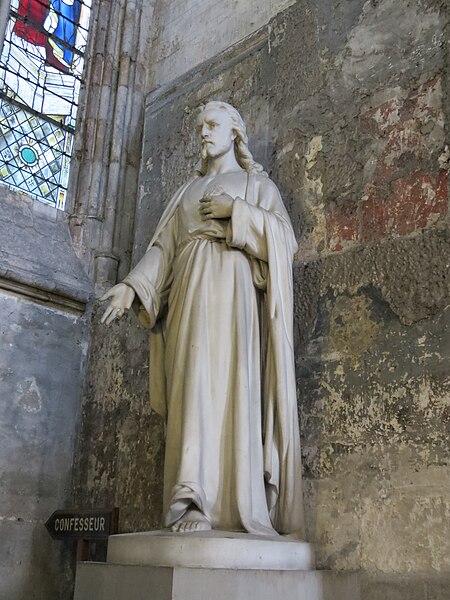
(41, 67)
(67, 17)
(28, 155)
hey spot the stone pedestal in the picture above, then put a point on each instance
(210, 550)
(209, 566)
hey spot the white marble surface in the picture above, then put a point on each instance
(210, 550)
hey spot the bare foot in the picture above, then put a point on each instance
(192, 520)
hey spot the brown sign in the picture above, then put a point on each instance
(82, 524)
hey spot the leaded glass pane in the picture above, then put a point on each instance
(41, 66)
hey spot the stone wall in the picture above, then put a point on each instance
(44, 337)
(186, 33)
(347, 107)
(105, 161)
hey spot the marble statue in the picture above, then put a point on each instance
(215, 289)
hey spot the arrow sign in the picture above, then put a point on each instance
(82, 524)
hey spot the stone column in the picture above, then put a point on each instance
(107, 153)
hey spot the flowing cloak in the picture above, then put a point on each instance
(259, 234)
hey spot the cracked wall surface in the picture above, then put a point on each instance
(347, 107)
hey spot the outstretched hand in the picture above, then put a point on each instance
(216, 204)
(121, 298)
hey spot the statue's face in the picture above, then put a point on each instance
(216, 133)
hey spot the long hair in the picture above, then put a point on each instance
(241, 150)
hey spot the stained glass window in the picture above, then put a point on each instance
(41, 68)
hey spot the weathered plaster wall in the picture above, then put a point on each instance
(43, 332)
(120, 451)
(40, 380)
(347, 106)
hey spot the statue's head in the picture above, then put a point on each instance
(234, 131)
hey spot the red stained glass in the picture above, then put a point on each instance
(33, 13)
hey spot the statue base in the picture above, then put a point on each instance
(217, 565)
(210, 550)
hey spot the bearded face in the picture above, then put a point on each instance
(216, 133)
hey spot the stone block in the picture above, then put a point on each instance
(161, 565)
(102, 581)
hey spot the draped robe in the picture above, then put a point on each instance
(217, 296)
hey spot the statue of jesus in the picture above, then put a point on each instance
(215, 289)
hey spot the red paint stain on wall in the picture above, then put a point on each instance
(404, 194)
(416, 201)
(341, 228)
